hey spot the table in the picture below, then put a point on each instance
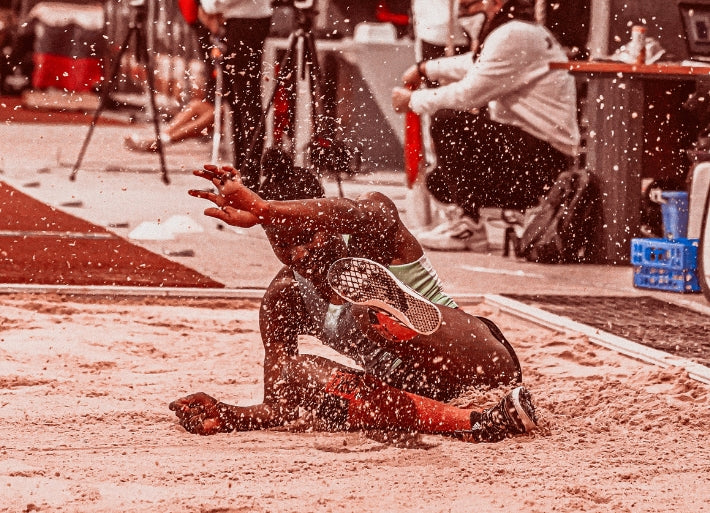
(366, 73)
(629, 134)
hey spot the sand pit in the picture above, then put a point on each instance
(84, 424)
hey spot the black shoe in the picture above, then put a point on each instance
(513, 415)
(364, 282)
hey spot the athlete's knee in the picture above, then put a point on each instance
(509, 370)
(333, 406)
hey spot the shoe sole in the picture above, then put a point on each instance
(364, 282)
(522, 401)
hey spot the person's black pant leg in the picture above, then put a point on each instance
(244, 39)
(455, 180)
(483, 163)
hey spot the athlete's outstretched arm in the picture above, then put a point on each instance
(240, 206)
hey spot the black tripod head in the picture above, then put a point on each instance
(306, 7)
(139, 12)
(301, 5)
(305, 12)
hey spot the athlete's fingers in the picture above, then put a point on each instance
(179, 404)
(192, 423)
(183, 414)
(233, 216)
(199, 399)
(208, 171)
(195, 420)
(227, 169)
(200, 424)
(218, 175)
(202, 193)
(217, 213)
(215, 198)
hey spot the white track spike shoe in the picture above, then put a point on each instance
(364, 282)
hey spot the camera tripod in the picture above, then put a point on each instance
(298, 64)
(136, 29)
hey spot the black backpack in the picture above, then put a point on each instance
(562, 230)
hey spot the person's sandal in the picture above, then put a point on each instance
(134, 143)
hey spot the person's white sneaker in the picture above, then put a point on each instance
(463, 234)
(449, 216)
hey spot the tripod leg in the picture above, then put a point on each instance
(145, 55)
(305, 121)
(106, 89)
(322, 129)
(316, 77)
(217, 125)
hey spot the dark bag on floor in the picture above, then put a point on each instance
(562, 230)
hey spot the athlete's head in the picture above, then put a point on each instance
(306, 251)
(283, 181)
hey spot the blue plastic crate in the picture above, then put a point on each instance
(660, 278)
(663, 264)
(673, 255)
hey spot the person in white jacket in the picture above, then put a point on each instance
(241, 27)
(522, 126)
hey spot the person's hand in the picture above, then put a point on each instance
(471, 7)
(238, 205)
(400, 99)
(211, 22)
(411, 77)
(198, 414)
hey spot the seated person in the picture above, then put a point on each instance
(344, 260)
(196, 119)
(522, 126)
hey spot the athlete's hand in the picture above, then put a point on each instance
(238, 205)
(198, 414)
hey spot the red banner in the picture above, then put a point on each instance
(413, 146)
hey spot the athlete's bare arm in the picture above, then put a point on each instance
(367, 218)
(281, 321)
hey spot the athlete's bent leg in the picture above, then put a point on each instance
(347, 399)
(466, 351)
(455, 348)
